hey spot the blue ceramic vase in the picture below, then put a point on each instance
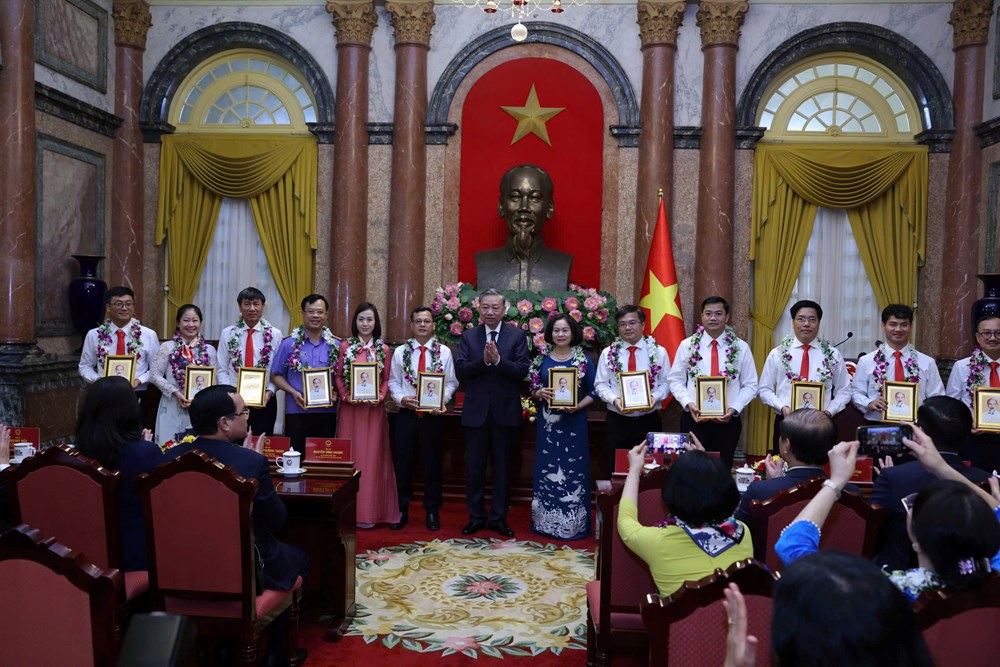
(86, 295)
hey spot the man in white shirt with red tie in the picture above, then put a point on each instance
(803, 357)
(981, 369)
(419, 433)
(714, 350)
(251, 342)
(896, 360)
(631, 351)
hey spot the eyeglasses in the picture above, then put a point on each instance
(807, 320)
(989, 335)
(245, 413)
(121, 305)
(908, 501)
(423, 321)
(628, 324)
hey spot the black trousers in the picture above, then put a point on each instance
(299, 426)
(625, 432)
(262, 419)
(488, 442)
(418, 435)
(715, 437)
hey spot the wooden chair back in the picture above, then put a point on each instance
(960, 628)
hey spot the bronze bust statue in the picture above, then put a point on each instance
(525, 262)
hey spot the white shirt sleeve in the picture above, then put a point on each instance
(746, 381)
(88, 358)
(841, 389)
(770, 376)
(396, 379)
(224, 374)
(678, 378)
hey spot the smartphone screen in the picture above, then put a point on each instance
(667, 442)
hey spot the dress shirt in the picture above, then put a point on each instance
(959, 376)
(606, 383)
(399, 388)
(312, 355)
(776, 388)
(739, 390)
(149, 343)
(489, 331)
(226, 374)
(864, 389)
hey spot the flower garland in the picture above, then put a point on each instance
(183, 441)
(435, 366)
(353, 347)
(299, 337)
(579, 361)
(732, 353)
(977, 365)
(826, 370)
(235, 353)
(133, 340)
(651, 346)
(178, 362)
(911, 370)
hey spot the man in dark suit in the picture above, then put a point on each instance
(807, 436)
(492, 362)
(948, 423)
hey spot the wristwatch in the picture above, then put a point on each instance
(833, 487)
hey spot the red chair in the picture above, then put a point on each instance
(689, 628)
(623, 579)
(961, 628)
(199, 531)
(852, 525)
(59, 609)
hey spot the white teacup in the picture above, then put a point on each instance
(744, 476)
(21, 451)
(289, 462)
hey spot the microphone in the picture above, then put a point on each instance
(850, 335)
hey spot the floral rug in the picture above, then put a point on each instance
(475, 596)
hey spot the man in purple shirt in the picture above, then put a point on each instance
(311, 345)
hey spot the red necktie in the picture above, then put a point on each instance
(422, 362)
(804, 369)
(631, 358)
(248, 350)
(994, 378)
(900, 373)
(715, 357)
(121, 342)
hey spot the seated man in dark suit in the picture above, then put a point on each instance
(807, 436)
(948, 423)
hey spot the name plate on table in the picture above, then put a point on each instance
(28, 434)
(275, 446)
(334, 451)
(863, 470)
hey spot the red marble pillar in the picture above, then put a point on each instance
(17, 186)
(125, 262)
(412, 21)
(354, 21)
(720, 22)
(658, 22)
(971, 21)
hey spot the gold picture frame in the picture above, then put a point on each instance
(986, 409)
(251, 384)
(317, 391)
(901, 401)
(635, 391)
(197, 378)
(808, 395)
(564, 385)
(121, 365)
(430, 392)
(711, 396)
(364, 381)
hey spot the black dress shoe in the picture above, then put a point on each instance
(502, 528)
(433, 521)
(403, 520)
(473, 527)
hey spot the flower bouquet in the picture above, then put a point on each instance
(170, 443)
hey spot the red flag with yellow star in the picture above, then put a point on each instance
(660, 295)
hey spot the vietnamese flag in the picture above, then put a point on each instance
(660, 295)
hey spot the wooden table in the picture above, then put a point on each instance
(322, 518)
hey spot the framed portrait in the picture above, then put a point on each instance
(251, 384)
(901, 401)
(635, 391)
(364, 381)
(122, 365)
(197, 378)
(430, 391)
(563, 383)
(986, 406)
(711, 395)
(808, 395)
(316, 387)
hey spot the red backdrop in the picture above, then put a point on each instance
(574, 160)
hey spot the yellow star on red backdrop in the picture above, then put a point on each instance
(531, 118)
(661, 301)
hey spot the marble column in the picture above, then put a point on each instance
(17, 187)
(412, 21)
(971, 22)
(354, 22)
(658, 22)
(720, 22)
(125, 263)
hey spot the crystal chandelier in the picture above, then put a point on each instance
(521, 10)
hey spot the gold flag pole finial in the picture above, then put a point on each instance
(660, 193)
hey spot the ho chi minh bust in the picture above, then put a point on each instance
(525, 262)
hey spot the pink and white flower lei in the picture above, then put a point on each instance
(133, 340)
(578, 361)
(435, 365)
(299, 336)
(910, 367)
(732, 353)
(199, 353)
(353, 347)
(236, 353)
(651, 345)
(826, 369)
(977, 365)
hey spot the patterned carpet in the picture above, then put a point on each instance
(476, 597)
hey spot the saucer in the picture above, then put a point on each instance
(291, 473)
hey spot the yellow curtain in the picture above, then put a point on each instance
(885, 192)
(277, 175)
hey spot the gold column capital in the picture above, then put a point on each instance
(659, 21)
(353, 20)
(412, 20)
(132, 21)
(971, 22)
(720, 21)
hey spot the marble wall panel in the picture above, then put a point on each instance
(742, 271)
(683, 227)
(324, 213)
(991, 98)
(150, 304)
(74, 49)
(376, 279)
(927, 315)
(435, 244)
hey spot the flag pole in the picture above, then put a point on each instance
(660, 193)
